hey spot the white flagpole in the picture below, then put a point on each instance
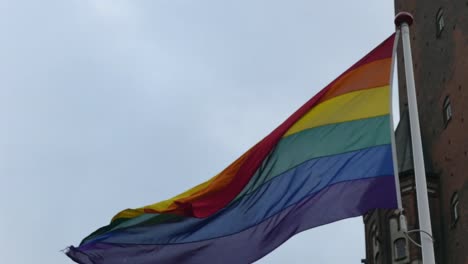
(403, 20)
(392, 129)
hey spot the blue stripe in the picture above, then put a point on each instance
(271, 198)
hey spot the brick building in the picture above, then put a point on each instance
(439, 39)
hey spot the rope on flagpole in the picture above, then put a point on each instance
(420, 231)
(406, 232)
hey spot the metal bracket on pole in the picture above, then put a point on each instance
(403, 20)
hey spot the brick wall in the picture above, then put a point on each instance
(441, 70)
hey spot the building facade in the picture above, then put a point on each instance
(439, 39)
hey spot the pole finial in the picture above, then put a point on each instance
(404, 17)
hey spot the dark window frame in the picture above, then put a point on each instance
(440, 22)
(400, 253)
(455, 208)
(447, 110)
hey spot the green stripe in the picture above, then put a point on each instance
(142, 220)
(318, 142)
(290, 152)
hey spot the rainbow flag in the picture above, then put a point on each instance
(332, 159)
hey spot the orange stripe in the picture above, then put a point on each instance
(369, 75)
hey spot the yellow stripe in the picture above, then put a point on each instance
(214, 184)
(163, 205)
(347, 107)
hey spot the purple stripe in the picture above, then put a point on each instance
(339, 201)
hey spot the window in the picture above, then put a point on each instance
(375, 236)
(375, 241)
(440, 24)
(400, 248)
(454, 207)
(400, 251)
(447, 110)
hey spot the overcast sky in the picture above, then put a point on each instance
(110, 104)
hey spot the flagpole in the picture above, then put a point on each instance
(403, 20)
(392, 129)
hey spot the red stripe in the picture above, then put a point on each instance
(211, 203)
(382, 51)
